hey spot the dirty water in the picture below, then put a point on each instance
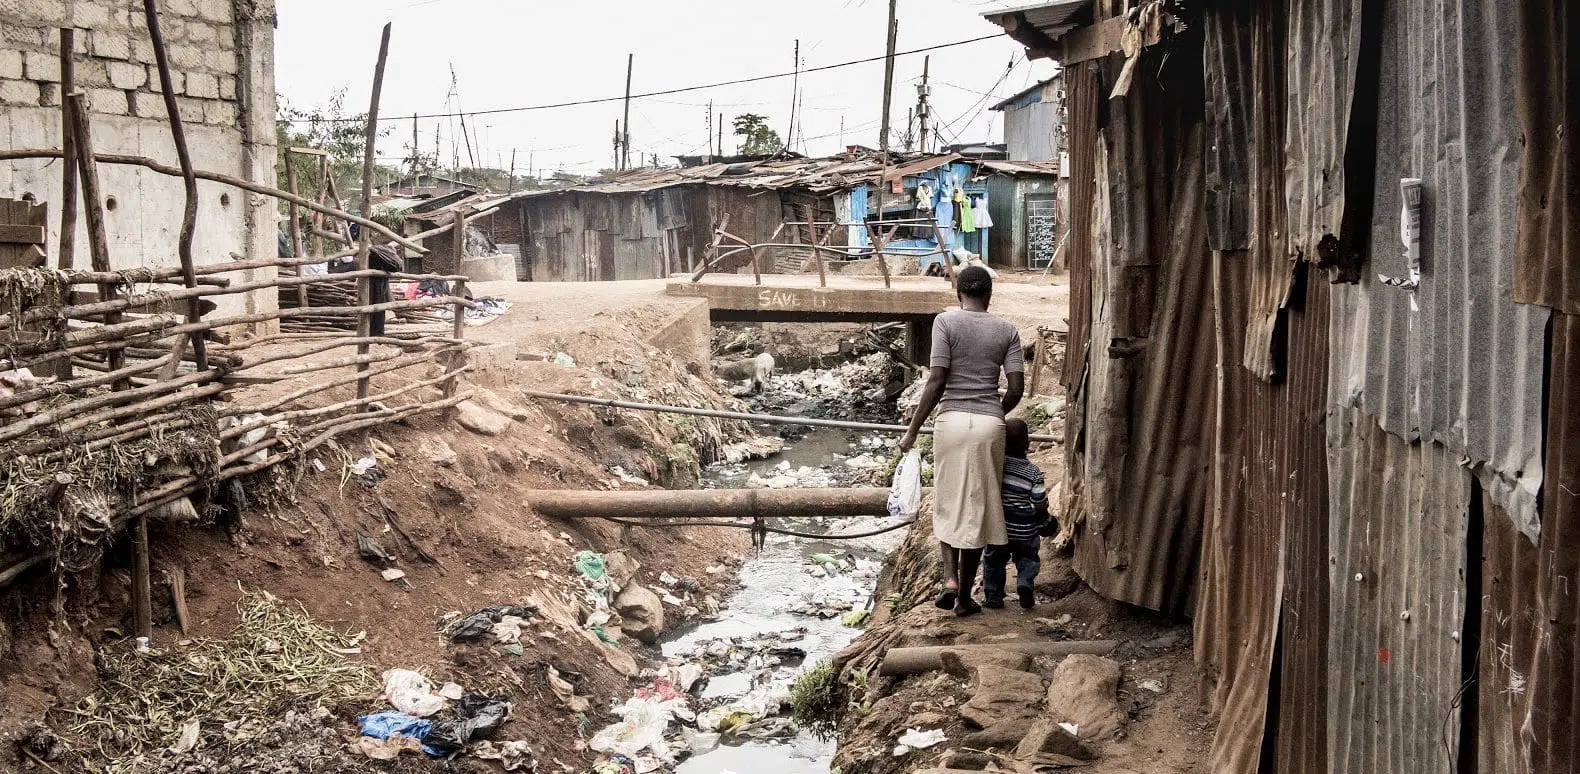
(777, 582)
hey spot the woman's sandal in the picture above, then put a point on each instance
(946, 600)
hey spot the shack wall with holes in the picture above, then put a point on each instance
(222, 56)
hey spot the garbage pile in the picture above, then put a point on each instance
(440, 722)
(851, 390)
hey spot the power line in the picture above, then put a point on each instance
(683, 89)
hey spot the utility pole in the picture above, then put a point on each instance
(923, 109)
(795, 88)
(625, 121)
(416, 151)
(710, 131)
(510, 185)
(888, 91)
(910, 129)
(721, 135)
(617, 145)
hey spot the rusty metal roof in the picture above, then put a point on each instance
(819, 175)
(1050, 19)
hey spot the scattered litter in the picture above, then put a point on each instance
(626, 476)
(562, 359)
(451, 691)
(367, 471)
(917, 739)
(641, 729)
(513, 649)
(474, 716)
(667, 579)
(392, 574)
(566, 692)
(188, 738)
(590, 565)
(385, 735)
(855, 618)
(1153, 685)
(1073, 728)
(483, 623)
(369, 549)
(513, 756)
(411, 693)
(715, 569)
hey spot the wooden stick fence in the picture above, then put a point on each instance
(155, 363)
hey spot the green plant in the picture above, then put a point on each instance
(815, 702)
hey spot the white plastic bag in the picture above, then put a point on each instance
(905, 496)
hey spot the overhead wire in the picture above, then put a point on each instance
(680, 90)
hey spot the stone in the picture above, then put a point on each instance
(1046, 736)
(1004, 736)
(219, 60)
(436, 451)
(178, 81)
(999, 695)
(42, 66)
(641, 613)
(96, 16)
(186, 56)
(219, 112)
(202, 86)
(108, 45)
(109, 101)
(147, 104)
(92, 72)
(967, 760)
(926, 720)
(227, 87)
(11, 65)
(19, 92)
(621, 567)
(127, 75)
(500, 404)
(1084, 691)
(481, 419)
(199, 32)
(217, 11)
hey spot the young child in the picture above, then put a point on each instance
(1025, 519)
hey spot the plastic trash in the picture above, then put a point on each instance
(641, 729)
(383, 725)
(917, 739)
(562, 359)
(855, 618)
(475, 716)
(590, 565)
(480, 625)
(411, 693)
(905, 496)
(513, 756)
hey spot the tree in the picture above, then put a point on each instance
(760, 140)
(327, 128)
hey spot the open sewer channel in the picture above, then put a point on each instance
(791, 599)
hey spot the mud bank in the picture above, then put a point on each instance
(365, 560)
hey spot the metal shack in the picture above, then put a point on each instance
(649, 223)
(1323, 353)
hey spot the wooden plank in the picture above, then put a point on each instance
(18, 234)
(1100, 40)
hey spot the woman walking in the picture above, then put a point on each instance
(970, 348)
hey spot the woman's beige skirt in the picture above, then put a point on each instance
(968, 479)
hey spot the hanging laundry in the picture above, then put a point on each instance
(924, 198)
(968, 223)
(980, 213)
(944, 212)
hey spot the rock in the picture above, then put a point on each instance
(480, 419)
(1057, 579)
(926, 720)
(999, 694)
(622, 661)
(1045, 736)
(954, 665)
(438, 452)
(501, 404)
(1085, 692)
(966, 760)
(642, 612)
(621, 567)
(1003, 736)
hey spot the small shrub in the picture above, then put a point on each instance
(814, 700)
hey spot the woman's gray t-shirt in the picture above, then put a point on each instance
(974, 346)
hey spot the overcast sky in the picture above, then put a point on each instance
(513, 53)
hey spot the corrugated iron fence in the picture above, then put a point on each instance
(1357, 471)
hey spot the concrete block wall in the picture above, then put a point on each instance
(222, 57)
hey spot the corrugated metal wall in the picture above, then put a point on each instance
(1145, 449)
(1029, 129)
(1458, 362)
(1392, 530)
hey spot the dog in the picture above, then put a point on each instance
(755, 370)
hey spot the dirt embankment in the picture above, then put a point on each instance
(389, 557)
(1137, 710)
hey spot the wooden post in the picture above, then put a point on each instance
(323, 193)
(882, 243)
(816, 241)
(1036, 365)
(296, 227)
(184, 156)
(93, 200)
(943, 254)
(142, 583)
(68, 144)
(713, 249)
(364, 284)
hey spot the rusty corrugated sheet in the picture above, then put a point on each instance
(1398, 525)
(1143, 455)
(1458, 361)
(1324, 43)
(1547, 271)
(1082, 90)
(1530, 631)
